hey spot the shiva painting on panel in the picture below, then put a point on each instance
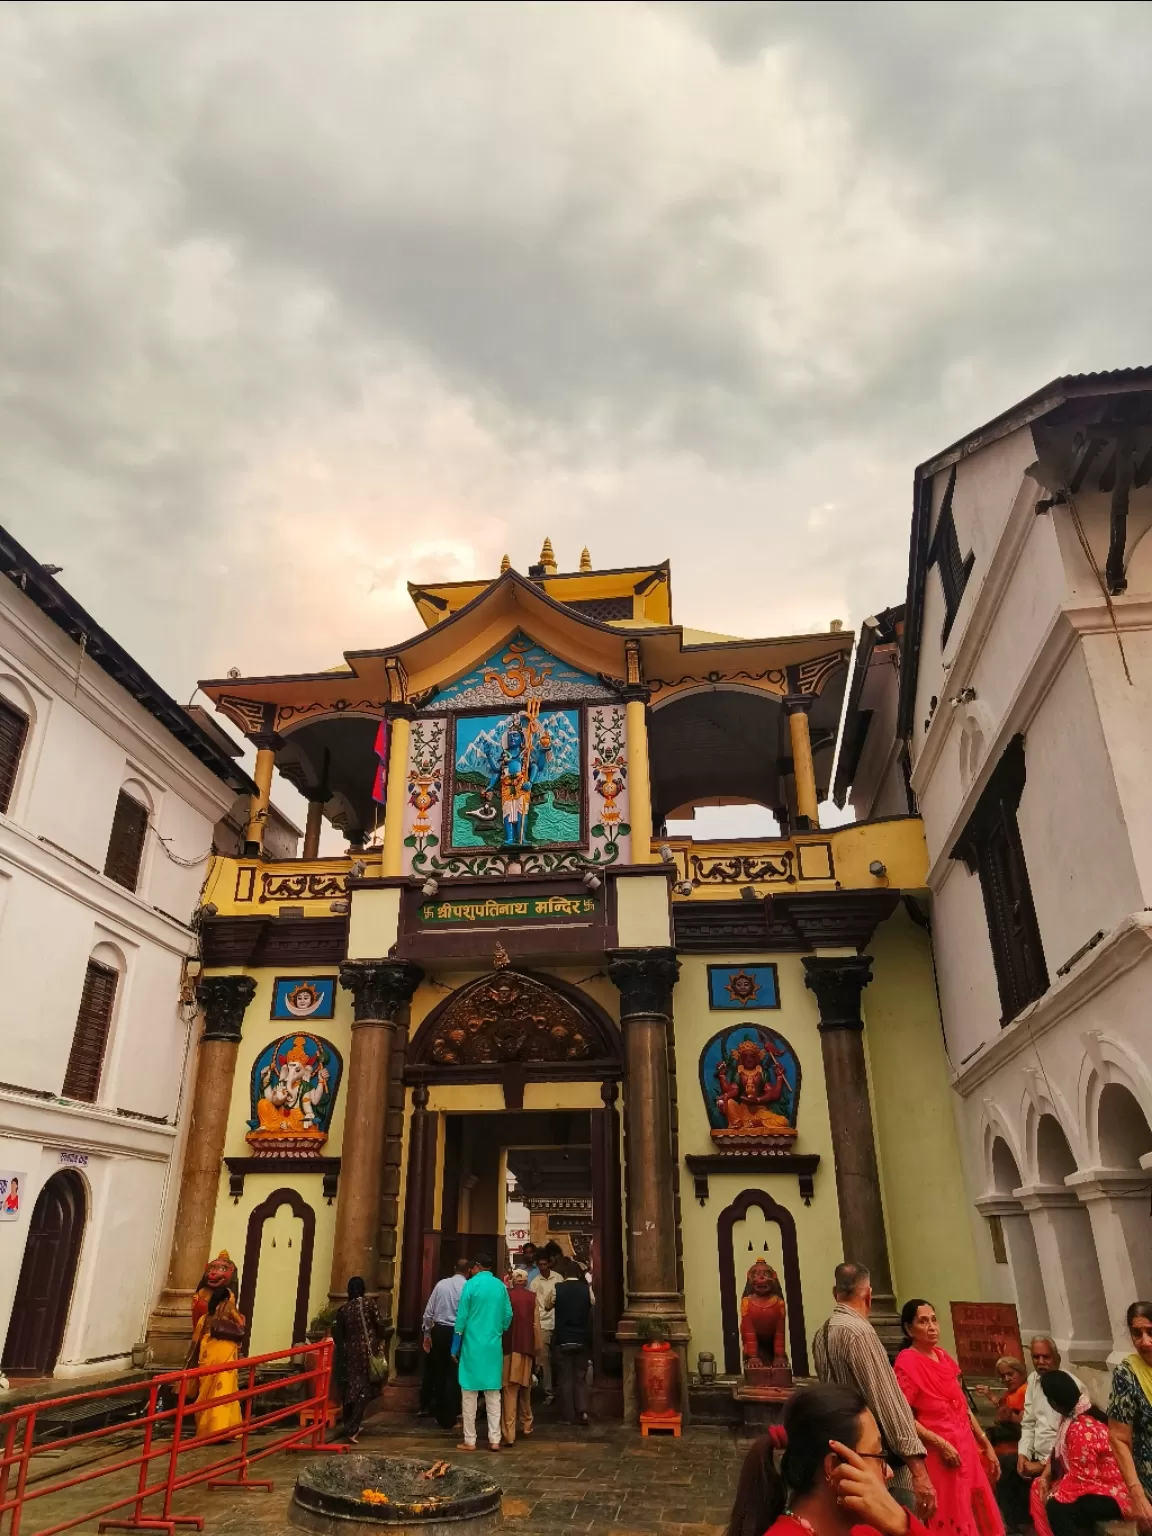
(518, 778)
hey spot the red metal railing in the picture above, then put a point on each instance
(309, 1367)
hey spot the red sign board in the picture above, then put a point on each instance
(984, 1331)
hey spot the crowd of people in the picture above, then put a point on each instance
(899, 1450)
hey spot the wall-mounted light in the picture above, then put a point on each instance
(666, 853)
(683, 887)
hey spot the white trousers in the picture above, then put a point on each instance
(491, 1409)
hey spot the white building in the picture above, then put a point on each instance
(109, 796)
(1024, 728)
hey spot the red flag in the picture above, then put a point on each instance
(380, 787)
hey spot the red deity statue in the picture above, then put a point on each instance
(762, 1315)
(751, 1082)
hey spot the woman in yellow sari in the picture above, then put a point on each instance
(216, 1340)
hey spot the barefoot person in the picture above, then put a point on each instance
(832, 1479)
(485, 1312)
(961, 1462)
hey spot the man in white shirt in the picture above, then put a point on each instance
(544, 1289)
(441, 1393)
(1039, 1425)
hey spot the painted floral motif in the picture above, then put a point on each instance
(610, 836)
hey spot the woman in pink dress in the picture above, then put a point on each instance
(961, 1462)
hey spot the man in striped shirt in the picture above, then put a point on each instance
(848, 1351)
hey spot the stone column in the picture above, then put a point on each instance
(421, 1172)
(1070, 1270)
(266, 746)
(645, 978)
(381, 991)
(1023, 1262)
(838, 982)
(396, 792)
(222, 1000)
(1117, 1204)
(796, 707)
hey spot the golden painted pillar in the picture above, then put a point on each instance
(223, 1000)
(312, 828)
(267, 745)
(796, 707)
(639, 775)
(400, 735)
(381, 991)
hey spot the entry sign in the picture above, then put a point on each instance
(984, 1331)
(12, 1186)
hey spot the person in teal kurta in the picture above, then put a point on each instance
(483, 1315)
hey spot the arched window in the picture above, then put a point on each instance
(93, 1025)
(16, 720)
(129, 834)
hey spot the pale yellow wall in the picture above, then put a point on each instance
(373, 922)
(817, 1225)
(643, 913)
(925, 1203)
(231, 1226)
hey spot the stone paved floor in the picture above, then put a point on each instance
(605, 1481)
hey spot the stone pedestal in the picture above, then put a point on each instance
(381, 991)
(223, 1000)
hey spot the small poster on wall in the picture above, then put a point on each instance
(12, 1186)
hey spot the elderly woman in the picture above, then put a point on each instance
(1012, 1490)
(1081, 1483)
(1130, 1414)
(521, 1347)
(961, 1462)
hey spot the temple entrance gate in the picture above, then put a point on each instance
(514, 1083)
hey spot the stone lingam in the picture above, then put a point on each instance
(366, 1495)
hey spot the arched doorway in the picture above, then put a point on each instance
(278, 1271)
(527, 1034)
(732, 1227)
(1116, 1197)
(44, 1289)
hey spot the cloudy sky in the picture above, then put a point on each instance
(300, 301)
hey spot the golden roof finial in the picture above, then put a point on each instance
(585, 559)
(505, 565)
(548, 558)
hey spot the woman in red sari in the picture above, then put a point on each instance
(832, 1479)
(961, 1463)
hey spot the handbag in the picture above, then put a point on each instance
(377, 1362)
(226, 1328)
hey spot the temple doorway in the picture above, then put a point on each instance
(44, 1289)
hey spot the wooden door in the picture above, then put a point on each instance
(44, 1289)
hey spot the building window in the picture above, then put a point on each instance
(944, 553)
(999, 1247)
(13, 735)
(126, 845)
(990, 845)
(603, 609)
(86, 1058)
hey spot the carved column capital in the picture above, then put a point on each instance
(645, 978)
(797, 703)
(223, 1000)
(379, 988)
(635, 693)
(838, 981)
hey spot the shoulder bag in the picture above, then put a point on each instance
(377, 1360)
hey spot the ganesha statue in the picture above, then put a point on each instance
(762, 1319)
(293, 1089)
